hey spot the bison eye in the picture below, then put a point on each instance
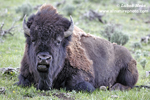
(33, 40)
(58, 42)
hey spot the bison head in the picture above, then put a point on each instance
(47, 35)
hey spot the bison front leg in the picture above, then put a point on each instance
(23, 81)
(84, 86)
(25, 78)
(78, 83)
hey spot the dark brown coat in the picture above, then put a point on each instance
(88, 62)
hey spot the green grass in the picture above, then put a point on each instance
(12, 49)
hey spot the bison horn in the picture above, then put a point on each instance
(70, 30)
(25, 27)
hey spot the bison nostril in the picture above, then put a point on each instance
(44, 58)
(49, 58)
(39, 58)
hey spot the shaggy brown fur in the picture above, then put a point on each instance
(25, 70)
(47, 7)
(132, 68)
(76, 53)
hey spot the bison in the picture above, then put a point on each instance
(58, 54)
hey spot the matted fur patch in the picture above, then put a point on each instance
(47, 7)
(76, 54)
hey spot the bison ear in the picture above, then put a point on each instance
(25, 27)
(70, 29)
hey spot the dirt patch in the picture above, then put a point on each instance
(62, 96)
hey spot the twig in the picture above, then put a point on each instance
(8, 31)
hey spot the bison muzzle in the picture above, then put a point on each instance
(43, 61)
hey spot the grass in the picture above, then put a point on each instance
(12, 49)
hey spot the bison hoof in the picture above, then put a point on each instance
(42, 68)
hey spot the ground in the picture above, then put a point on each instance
(133, 24)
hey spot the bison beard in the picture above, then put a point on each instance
(60, 55)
